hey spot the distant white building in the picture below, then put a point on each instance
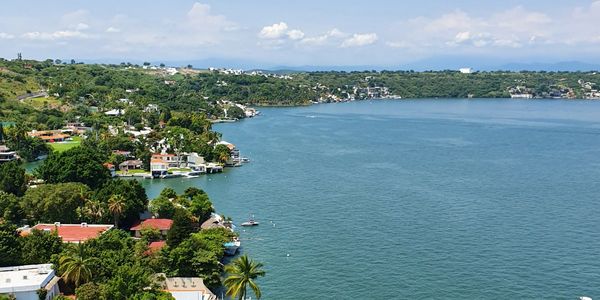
(114, 112)
(466, 70)
(23, 282)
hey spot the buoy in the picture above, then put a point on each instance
(288, 255)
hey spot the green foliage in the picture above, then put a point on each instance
(181, 228)
(9, 245)
(201, 207)
(127, 281)
(221, 153)
(10, 208)
(42, 293)
(162, 207)
(28, 148)
(88, 291)
(80, 164)
(54, 202)
(241, 274)
(150, 234)
(235, 112)
(12, 178)
(134, 198)
(75, 266)
(38, 247)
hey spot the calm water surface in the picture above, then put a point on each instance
(446, 199)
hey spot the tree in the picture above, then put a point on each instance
(136, 200)
(94, 211)
(116, 206)
(38, 247)
(9, 245)
(201, 207)
(54, 202)
(181, 228)
(79, 164)
(10, 208)
(222, 153)
(12, 178)
(242, 273)
(162, 207)
(88, 291)
(235, 112)
(75, 267)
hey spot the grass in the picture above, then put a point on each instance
(43, 102)
(180, 170)
(64, 146)
(132, 172)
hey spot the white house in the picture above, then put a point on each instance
(23, 282)
(466, 70)
(196, 162)
(114, 112)
(187, 288)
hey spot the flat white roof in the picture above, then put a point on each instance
(25, 278)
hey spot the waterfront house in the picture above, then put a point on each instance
(163, 225)
(170, 159)
(196, 162)
(23, 282)
(70, 233)
(158, 168)
(186, 288)
(6, 155)
(49, 136)
(131, 165)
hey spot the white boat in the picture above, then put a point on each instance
(250, 222)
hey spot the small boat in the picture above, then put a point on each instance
(250, 222)
(232, 247)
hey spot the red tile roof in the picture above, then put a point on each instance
(73, 233)
(160, 224)
(155, 247)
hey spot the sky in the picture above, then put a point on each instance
(304, 33)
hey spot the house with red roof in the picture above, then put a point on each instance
(70, 233)
(163, 225)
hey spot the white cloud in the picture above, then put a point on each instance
(6, 36)
(201, 18)
(113, 30)
(51, 36)
(295, 34)
(359, 40)
(462, 37)
(82, 26)
(275, 31)
(323, 39)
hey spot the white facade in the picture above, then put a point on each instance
(24, 281)
(466, 70)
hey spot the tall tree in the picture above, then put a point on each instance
(181, 228)
(12, 178)
(116, 206)
(9, 245)
(54, 202)
(80, 164)
(75, 266)
(242, 273)
(38, 247)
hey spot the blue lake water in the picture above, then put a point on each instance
(446, 199)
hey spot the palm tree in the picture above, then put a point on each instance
(116, 206)
(94, 210)
(75, 268)
(241, 273)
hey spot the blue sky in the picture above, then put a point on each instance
(308, 32)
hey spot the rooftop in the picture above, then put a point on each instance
(25, 278)
(72, 233)
(187, 284)
(160, 224)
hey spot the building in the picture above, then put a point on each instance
(158, 168)
(186, 288)
(6, 155)
(170, 159)
(466, 70)
(23, 282)
(131, 165)
(196, 163)
(114, 112)
(70, 233)
(163, 225)
(50, 136)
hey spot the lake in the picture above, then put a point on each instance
(447, 199)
